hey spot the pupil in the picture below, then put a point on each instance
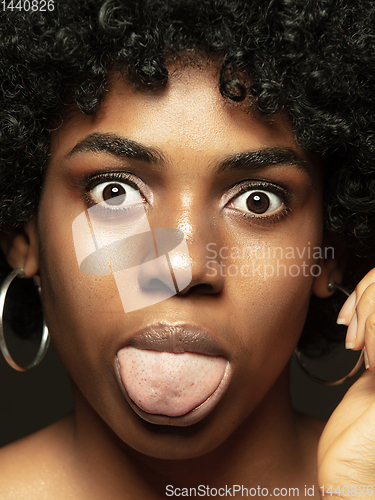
(258, 203)
(114, 194)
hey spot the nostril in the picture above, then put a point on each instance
(200, 289)
(156, 284)
(155, 275)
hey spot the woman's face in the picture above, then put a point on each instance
(248, 202)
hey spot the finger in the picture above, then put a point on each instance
(370, 342)
(351, 334)
(347, 309)
(358, 324)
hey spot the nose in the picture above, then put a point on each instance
(206, 275)
(166, 265)
(183, 265)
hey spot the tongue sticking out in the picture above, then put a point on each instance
(167, 383)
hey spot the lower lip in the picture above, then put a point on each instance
(190, 418)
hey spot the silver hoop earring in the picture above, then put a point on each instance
(299, 358)
(44, 343)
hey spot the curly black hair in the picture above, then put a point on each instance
(313, 60)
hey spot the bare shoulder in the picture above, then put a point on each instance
(34, 467)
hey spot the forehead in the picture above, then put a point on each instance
(188, 115)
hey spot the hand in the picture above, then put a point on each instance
(358, 313)
(346, 454)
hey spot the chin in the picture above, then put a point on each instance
(175, 443)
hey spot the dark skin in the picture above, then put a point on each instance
(252, 436)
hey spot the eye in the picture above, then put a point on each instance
(258, 202)
(115, 194)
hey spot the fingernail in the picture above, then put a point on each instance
(365, 357)
(346, 311)
(352, 332)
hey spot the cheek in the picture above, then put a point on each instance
(74, 303)
(270, 284)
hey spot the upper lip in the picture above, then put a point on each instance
(178, 338)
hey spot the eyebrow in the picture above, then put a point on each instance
(117, 146)
(248, 160)
(256, 160)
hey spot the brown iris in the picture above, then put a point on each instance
(114, 194)
(258, 202)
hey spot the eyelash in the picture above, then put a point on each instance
(90, 181)
(265, 220)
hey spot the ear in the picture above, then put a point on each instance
(20, 247)
(332, 266)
